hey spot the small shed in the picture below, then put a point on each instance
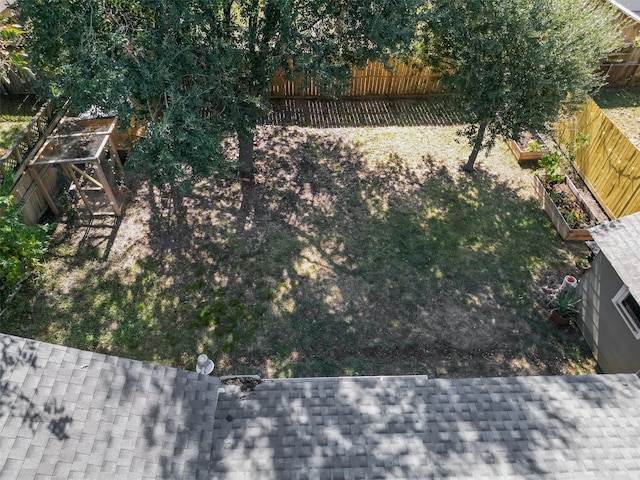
(610, 290)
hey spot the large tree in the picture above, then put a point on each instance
(514, 65)
(194, 72)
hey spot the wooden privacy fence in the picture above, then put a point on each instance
(401, 80)
(17, 85)
(623, 67)
(609, 164)
(25, 187)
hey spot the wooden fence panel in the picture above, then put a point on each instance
(17, 85)
(610, 164)
(371, 81)
(622, 68)
(27, 190)
(20, 154)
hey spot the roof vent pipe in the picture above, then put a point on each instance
(204, 364)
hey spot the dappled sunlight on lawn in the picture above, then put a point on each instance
(357, 251)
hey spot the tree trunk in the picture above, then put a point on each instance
(246, 167)
(227, 16)
(477, 146)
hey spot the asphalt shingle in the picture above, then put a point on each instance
(65, 413)
(412, 427)
(70, 414)
(619, 241)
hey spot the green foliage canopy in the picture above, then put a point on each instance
(194, 72)
(516, 64)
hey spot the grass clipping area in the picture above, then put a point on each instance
(359, 251)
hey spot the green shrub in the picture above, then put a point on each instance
(21, 246)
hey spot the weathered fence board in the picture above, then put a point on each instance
(610, 164)
(35, 203)
(19, 155)
(374, 80)
(17, 85)
(623, 67)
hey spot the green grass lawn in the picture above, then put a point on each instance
(15, 114)
(360, 251)
(622, 106)
(10, 128)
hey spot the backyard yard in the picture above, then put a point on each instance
(361, 249)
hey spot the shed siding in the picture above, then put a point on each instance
(613, 345)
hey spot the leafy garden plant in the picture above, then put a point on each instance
(574, 218)
(574, 145)
(21, 246)
(533, 146)
(550, 163)
(583, 263)
(566, 303)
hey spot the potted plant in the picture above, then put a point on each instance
(565, 306)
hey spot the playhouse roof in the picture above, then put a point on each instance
(67, 413)
(619, 241)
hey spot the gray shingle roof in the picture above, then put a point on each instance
(66, 414)
(410, 427)
(619, 241)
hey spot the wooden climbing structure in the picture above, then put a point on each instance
(86, 153)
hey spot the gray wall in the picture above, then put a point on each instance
(613, 345)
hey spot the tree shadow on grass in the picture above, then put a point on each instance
(334, 263)
(370, 270)
(374, 112)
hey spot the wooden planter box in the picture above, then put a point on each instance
(522, 155)
(566, 232)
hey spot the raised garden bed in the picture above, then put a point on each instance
(579, 210)
(521, 147)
